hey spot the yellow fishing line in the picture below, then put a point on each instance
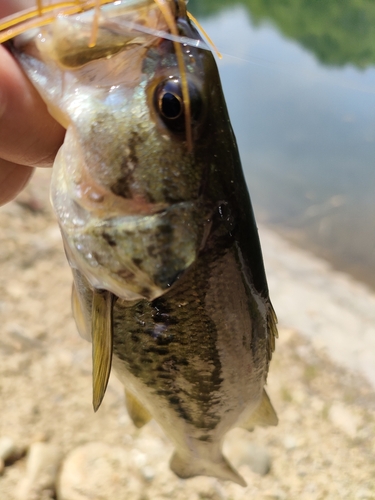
(95, 24)
(36, 17)
(207, 37)
(39, 6)
(42, 15)
(18, 30)
(171, 22)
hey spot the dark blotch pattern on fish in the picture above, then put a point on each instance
(168, 335)
(123, 185)
(109, 239)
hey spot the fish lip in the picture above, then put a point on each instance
(90, 218)
(164, 209)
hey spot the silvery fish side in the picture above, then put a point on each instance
(167, 265)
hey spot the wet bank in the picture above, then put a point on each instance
(332, 309)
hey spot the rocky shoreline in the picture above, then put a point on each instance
(52, 445)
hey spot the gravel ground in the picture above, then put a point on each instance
(323, 448)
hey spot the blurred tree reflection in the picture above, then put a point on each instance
(338, 32)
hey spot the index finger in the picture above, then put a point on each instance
(28, 133)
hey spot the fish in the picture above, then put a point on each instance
(169, 283)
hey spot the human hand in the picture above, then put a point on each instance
(29, 136)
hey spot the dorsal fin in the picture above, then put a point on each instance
(82, 326)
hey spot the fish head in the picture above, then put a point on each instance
(134, 195)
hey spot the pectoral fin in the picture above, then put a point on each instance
(102, 337)
(263, 416)
(78, 315)
(137, 412)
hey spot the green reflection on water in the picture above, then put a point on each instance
(338, 32)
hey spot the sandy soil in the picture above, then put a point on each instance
(323, 448)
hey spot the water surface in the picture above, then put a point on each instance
(299, 80)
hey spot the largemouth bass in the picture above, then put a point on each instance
(157, 224)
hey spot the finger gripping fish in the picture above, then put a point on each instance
(169, 280)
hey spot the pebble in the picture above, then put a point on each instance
(18, 338)
(364, 494)
(98, 470)
(148, 472)
(7, 448)
(274, 495)
(317, 404)
(9, 452)
(258, 459)
(344, 419)
(240, 451)
(290, 442)
(42, 465)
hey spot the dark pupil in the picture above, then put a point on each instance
(169, 103)
(171, 107)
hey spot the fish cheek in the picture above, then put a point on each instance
(127, 185)
(122, 186)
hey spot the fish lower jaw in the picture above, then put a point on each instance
(101, 279)
(104, 281)
(135, 257)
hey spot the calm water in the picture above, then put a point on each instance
(299, 79)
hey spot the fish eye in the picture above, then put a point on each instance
(169, 103)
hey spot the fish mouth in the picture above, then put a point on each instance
(137, 256)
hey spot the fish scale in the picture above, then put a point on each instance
(208, 375)
(158, 227)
